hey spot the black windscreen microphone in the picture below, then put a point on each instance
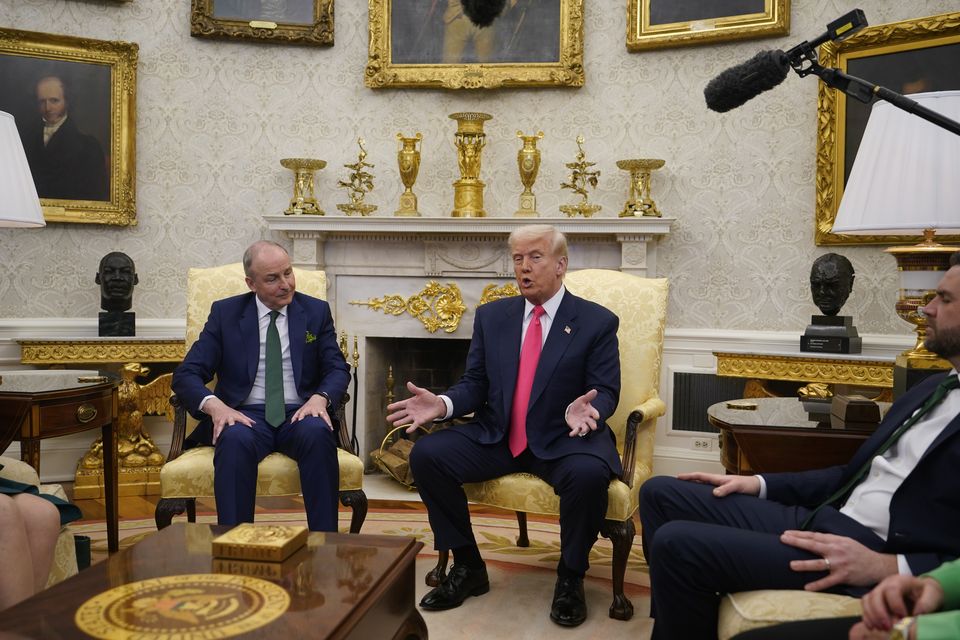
(749, 79)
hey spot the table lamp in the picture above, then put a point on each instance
(19, 203)
(906, 180)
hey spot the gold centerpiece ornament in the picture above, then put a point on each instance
(528, 161)
(580, 178)
(470, 140)
(358, 184)
(408, 159)
(640, 203)
(303, 198)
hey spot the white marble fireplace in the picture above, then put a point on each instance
(416, 278)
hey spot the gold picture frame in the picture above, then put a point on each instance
(432, 44)
(658, 24)
(906, 57)
(300, 22)
(86, 170)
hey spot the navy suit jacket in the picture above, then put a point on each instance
(229, 348)
(925, 509)
(581, 353)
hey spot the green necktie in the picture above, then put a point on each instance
(276, 412)
(946, 386)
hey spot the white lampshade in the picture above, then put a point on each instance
(906, 176)
(19, 203)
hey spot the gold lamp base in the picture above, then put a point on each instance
(921, 266)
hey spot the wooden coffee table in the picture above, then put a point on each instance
(339, 586)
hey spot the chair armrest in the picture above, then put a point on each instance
(643, 417)
(179, 428)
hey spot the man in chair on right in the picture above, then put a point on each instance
(893, 509)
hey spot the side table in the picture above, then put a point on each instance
(139, 464)
(778, 436)
(35, 405)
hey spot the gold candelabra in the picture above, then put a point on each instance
(581, 178)
(358, 184)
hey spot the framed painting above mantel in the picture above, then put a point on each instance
(74, 102)
(907, 57)
(658, 24)
(434, 44)
(280, 21)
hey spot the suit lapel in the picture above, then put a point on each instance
(296, 333)
(510, 328)
(249, 327)
(562, 330)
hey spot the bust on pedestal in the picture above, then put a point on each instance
(116, 276)
(831, 280)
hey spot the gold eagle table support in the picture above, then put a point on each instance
(139, 458)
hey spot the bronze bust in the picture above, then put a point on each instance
(831, 280)
(116, 276)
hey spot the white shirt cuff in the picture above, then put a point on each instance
(449, 404)
(903, 566)
(763, 488)
(204, 401)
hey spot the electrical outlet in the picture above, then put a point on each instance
(703, 444)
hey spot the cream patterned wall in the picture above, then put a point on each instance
(215, 117)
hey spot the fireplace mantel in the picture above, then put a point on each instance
(632, 240)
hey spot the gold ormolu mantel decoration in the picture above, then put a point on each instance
(581, 178)
(303, 199)
(528, 161)
(408, 159)
(640, 203)
(470, 140)
(358, 184)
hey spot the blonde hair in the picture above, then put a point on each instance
(558, 241)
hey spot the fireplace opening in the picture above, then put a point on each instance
(431, 363)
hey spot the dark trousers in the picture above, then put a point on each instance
(441, 462)
(240, 448)
(700, 547)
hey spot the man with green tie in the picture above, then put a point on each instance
(279, 375)
(891, 510)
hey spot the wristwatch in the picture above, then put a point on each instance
(901, 630)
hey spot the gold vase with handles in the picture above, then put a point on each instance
(528, 162)
(408, 159)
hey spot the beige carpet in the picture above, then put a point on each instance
(518, 603)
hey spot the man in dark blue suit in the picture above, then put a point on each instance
(235, 347)
(832, 529)
(540, 408)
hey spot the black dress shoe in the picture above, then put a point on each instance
(569, 607)
(461, 582)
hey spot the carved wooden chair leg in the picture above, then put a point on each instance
(522, 539)
(621, 534)
(167, 508)
(356, 500)
(439, 572)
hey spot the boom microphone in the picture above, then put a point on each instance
(747, 80)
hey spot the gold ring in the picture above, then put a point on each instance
(826, 561)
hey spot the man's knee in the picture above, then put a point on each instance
(237, 437)
(676, 539)
(425, 453)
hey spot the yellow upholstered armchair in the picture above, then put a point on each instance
(641, 305)
(748, 610)
(188, 475)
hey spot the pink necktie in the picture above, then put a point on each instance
(529, 356)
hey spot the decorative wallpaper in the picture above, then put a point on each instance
(215, 117)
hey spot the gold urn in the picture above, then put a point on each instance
(640, 203)
(528, 162)
(408, 159)
(470, 140)
(304, 200)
